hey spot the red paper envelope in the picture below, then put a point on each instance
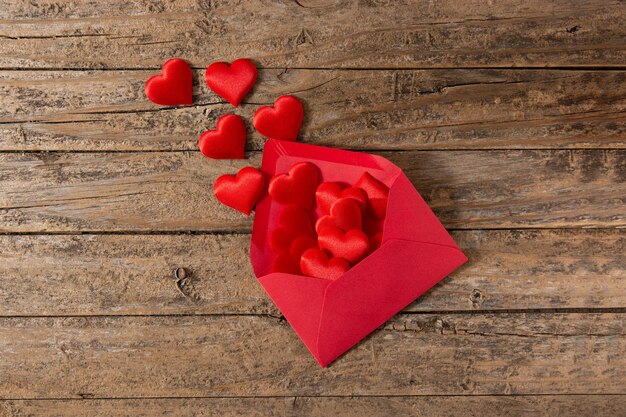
(416, 252)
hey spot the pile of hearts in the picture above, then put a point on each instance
(341, 241)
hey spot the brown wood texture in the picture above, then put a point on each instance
(71, 192)
(366, 109)
(439, 354)
(314, 33)
(486, 406)
(89, 275)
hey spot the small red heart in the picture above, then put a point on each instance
(352, 245)
(227, 141)
(297, 186)
(377, 194)
(240, 192)
(315, 263)
(375, 241)
(231, 82)
(281, 121)
(301, 245)
(286, 263)
(293, 222)
(345, 214)
(329, 192)
(174, 86)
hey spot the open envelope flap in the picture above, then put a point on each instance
(374, 290)
(299, 299)
(410, 218)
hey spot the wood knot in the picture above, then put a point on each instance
(477, 298)
(180, 273)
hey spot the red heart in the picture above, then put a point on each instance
(301, 245)
(231, 82)
(352, 245)
(329, 192)
(286, 263)
(377, 194)
(240, 192)
(315, 263)
(345, 214)
(375, 241)
(227, 141)
(293, 222)
(174, 87)
(297, 186)
(281, 121)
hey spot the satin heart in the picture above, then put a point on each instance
(286, 263)
(315, 263)
(173, 87)
(301, 245)
(293, 222)
(329, 192)
(345, 214)
(352, 245)
(297, 186)
(281, 121)
(231, 82)
(377, 194)
(242, 191)
(227, 141)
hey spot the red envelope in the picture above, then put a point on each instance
(416, 252)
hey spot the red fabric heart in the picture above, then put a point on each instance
(301, 245)
(240, 192)
(329, 192)
(231, 82)
(377, 194)
(297, 186)
(293, 222)
(227, 141)
(315, 263)
(174, 86)
(286, 263)
(281, 121)
(345, 214)
(352, 245)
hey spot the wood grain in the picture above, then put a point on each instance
(70, 192)
(134, 274)
(487, 406)
(313, 33)
(434, 109)
(413, 354)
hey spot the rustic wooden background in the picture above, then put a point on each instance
(508, 116)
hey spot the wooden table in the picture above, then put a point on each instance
(509, 118)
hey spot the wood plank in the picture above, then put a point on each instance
(314, 33)
(70, 192)
(134, 274)
(413, 354)
(488, 406)
(434, 109)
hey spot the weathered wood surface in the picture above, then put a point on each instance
(155, 191)
(434, 109)
(485, 406)
(262, 356)
(134, 274)
(314, 33)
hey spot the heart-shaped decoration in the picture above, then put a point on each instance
(315, 263)
(293, 222)
(377, 194)
(282, 121)
(227, 141)
(297, 186)
(352, 245)
(174, 86)
(242, 191)
(345, 214)
(286, 263)
(231, 82)
(329, 192)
